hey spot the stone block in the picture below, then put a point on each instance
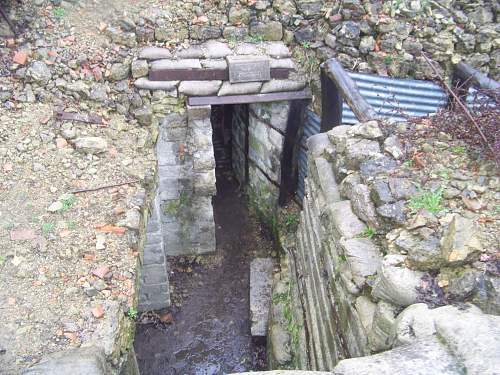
(228, 88)
(273, 113)
(396, 283)
(277, 49)
(155, 53)
(326, 178)
(363, 206)
(261, 275)
(343, 220)
(282, 64)
(139, 68)
(153, 297)
(363, 257)
(235, 33)
(428, 357)
(214, 49)
(271, 30)
(151, 257)
(383, 332)
(200, 112)
(154, 274)
(318, 144)
(191, 52)
(204, 183)
(199, 88)
(359, 150)
(175, 64)
(201, 32)
(81, 361)
(460, 240)
(280, 85)
(214, 64)
(145, 84)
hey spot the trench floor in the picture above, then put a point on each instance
(209, 331)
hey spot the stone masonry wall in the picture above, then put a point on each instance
(371, 265)
(266, 129)
(382, 37)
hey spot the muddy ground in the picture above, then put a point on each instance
(210, 332)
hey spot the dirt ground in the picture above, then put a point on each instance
(210, 331)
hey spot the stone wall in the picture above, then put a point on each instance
(266, 129)
(371, 260)
(383, 37)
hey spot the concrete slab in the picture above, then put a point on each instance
(261, 276)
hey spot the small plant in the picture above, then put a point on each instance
(388, 60)
(71, 224)
(459, 150)
(59, 12)
(132, 313)
(255, 38)
(444, 174)
(68, 203)
(367, 233)
(2, 260)
(306, 44)
(48, 228)
(291, 222)
(429, 200)
(409, 163)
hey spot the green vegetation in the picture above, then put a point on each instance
(255, 39)
(367, 233)
(291, 326)
(132, 313)
(459, 150)
(174, 206)
(2, 260)
(68, 203)
(290, 222)
(431, 200)
(71, 224)
(48, 228)
(388, 60)
(409, 163)
(59, 12)
(306, 45)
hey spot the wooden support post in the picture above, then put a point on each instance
(289, 170)
(349, 91)
(331, 103)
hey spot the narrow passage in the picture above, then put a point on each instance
(210, 329)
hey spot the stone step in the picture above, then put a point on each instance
(261, 277)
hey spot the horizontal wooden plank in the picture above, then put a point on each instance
(255, 98)
(205, 74)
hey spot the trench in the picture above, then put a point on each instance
(209, 321)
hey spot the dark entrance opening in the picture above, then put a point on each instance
(209, 322)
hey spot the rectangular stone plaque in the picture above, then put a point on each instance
(248, 68)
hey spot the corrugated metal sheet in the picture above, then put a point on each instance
(396, 98)
(312, 126)
(390, 97)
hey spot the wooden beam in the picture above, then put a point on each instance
(479, 80)
(205, 74)
(244, 99)
(349, 91)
